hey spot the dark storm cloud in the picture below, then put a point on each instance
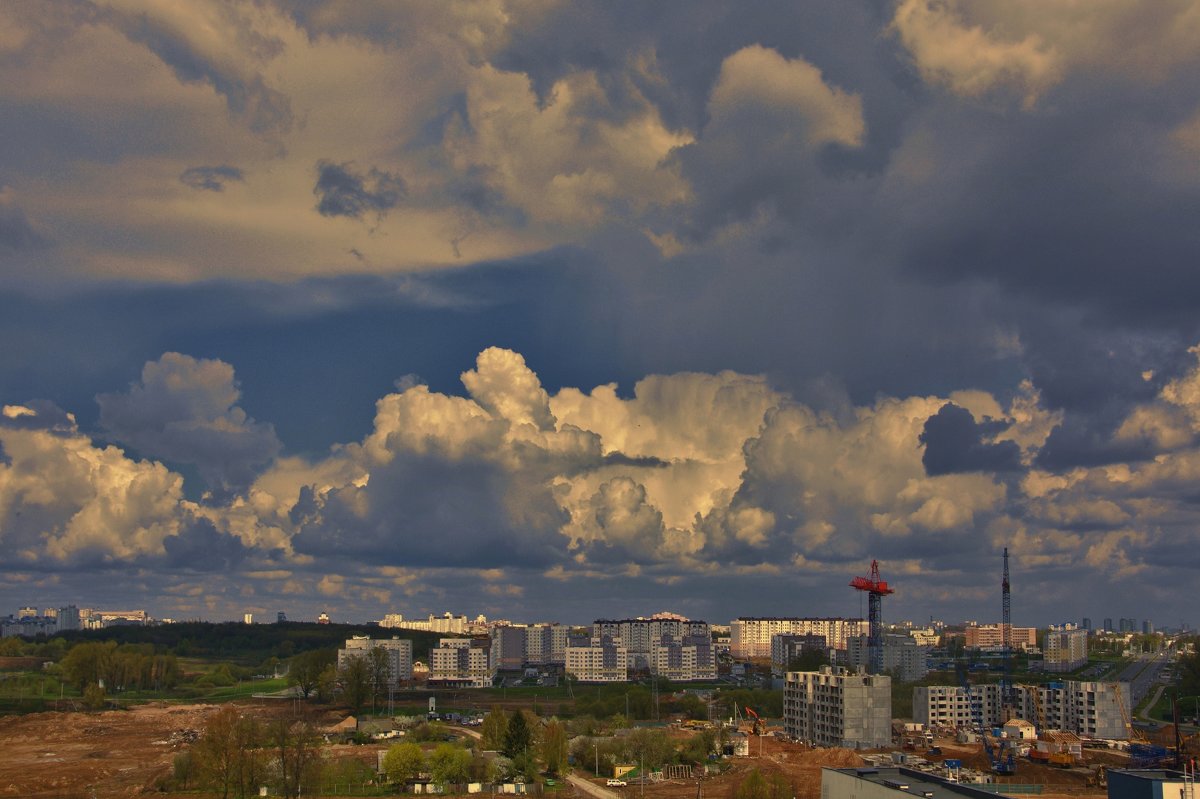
(422, 511)
(201, 547)
(1067, 206)
(17, 233)
(263, 109)
(343, 192)
(210, 178)
(955, 442)
(183, 410)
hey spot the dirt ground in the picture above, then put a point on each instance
(126, 753)
(111, 754)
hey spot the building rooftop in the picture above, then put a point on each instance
(915, 783)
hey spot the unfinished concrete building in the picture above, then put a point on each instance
(834, 707)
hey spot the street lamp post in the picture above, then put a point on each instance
(596, 748)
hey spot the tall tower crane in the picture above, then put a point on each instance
(876, 589)
(1006, 689)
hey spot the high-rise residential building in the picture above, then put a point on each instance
(597, 659)
(951, 705)
(901, 656)
(750, 636)
(1065, 650)
(398, 654)
(461, 662)
(639, 634)
(1087, 623)
(833, 707)
(1108, 625)
(687, 659)
(991, 636)
(1087, 709)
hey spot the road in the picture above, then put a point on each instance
(592, 789)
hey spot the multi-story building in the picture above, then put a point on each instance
(902, 656)
(546, 644)
(951, 705)
(461, 663)
(837, 708)
(1087, 709)
(786, 647)
(1065, 650)
(991, 636)
(597, 659)
(447, 623)
(750, 636)
(687, 659)
(639, 634)
(399, 655)
(508, 647)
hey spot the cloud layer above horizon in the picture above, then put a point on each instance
(754, 294)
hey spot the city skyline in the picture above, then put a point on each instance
(600, 308)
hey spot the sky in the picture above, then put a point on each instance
(560, 310)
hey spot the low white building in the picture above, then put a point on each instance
(597, 659)
(838, 708)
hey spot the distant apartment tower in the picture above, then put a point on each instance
(991, 636)
(1087, 623)
(399, 655)
(750, 636)
(836, 708)
(1065, 650)
(786, 647)
(69, 618)
(508, 647)
(546, 644)
(462, 663)
(639, 634)
(597, 659)
(1108, 625)
(687, 659)
(1147, 627)
(901, 655)
(323, 618)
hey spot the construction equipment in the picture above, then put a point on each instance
(1007, 693)
(1001, 762)
(1142, 753)
(876, 589)
(758, 727)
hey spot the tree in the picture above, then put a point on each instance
(494, 729)
(305, 670)
(295, 744)
(355, 679)
(227, 754)
(403, 762)
(381, 672)
(450, 764)
(554, 747)
(518, 736)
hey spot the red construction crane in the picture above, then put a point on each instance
(876, 589)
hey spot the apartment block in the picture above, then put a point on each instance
(638, 635)
(1065, 650)
(687, 659)
(950, 705)
(786, 647)
(1087, 709)
(833, 707)
(991, 636)
(597, 659)
(902, 656)
(399, 655)
(461, 663)
(750, 636)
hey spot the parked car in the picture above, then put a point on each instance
(617, 783)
